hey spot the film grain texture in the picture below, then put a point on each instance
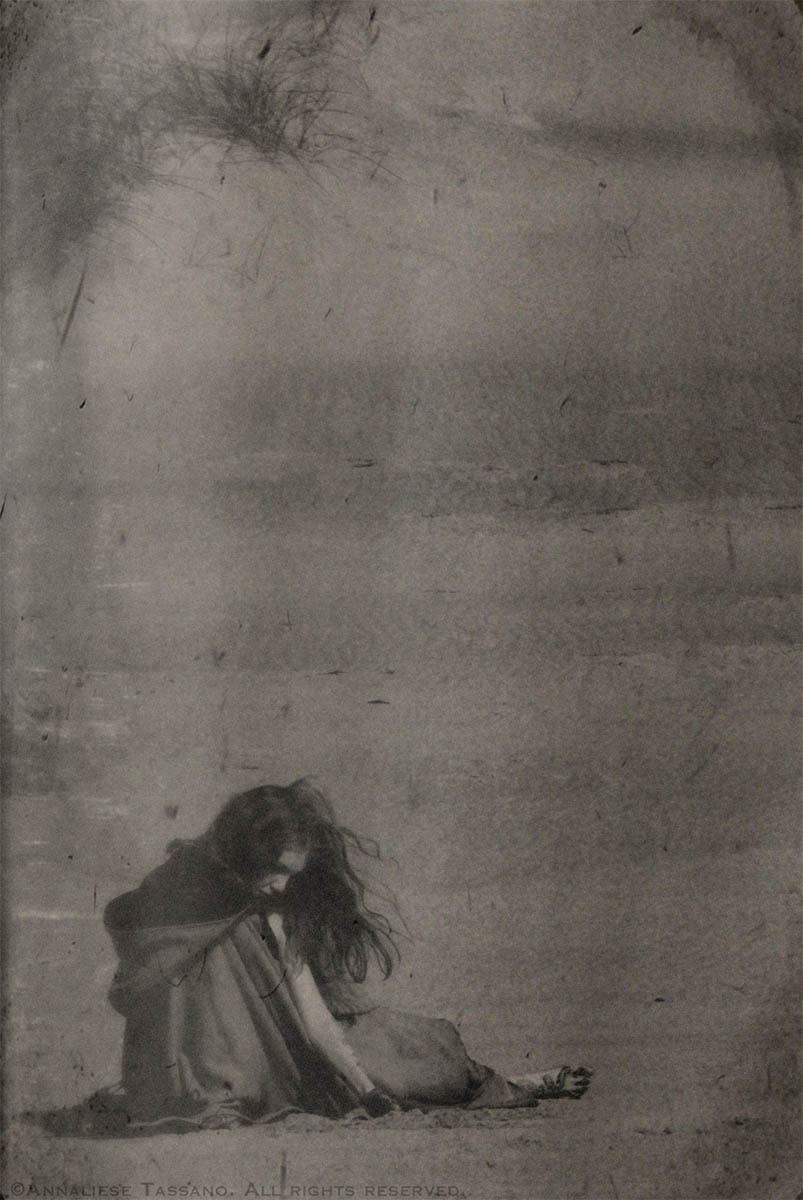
(408, 395)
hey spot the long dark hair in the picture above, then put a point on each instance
(329, 925)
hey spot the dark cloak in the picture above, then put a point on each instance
(213, 1035)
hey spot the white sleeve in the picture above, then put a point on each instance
(323, 1030)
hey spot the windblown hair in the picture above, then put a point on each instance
(329, 925)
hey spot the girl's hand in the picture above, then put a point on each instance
(378, 1104)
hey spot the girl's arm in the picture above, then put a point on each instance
(322, 1028)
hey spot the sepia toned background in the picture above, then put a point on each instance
(456, 466)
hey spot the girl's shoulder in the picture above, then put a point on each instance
(189, 888)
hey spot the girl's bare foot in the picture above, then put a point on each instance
(562, 1082)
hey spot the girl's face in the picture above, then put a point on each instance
(275, 879)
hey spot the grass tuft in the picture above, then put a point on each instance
(273, 101)
(112, 113)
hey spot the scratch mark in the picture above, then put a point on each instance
(613, 1185)
(703, 763)
(363, 462)
(287, 622)
(3, 505)
(377, 702)
(130, 396)
(273, 990)
(133, 344)
(606, 512)
(326, 314)
(610, 462)
(378, 162)
(435, 197)
(224, 732)
(729, 543)
(504, 97)
(95, 898)
(252, 272)
(565, 402)
(73, 307)
(178, 983)
(283, 1173)
(638, 29)
(264, 51)
(624, 246)
(83, 403)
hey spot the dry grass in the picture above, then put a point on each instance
(105, 117)
(270, 97)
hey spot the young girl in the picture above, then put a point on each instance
(238, 958)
